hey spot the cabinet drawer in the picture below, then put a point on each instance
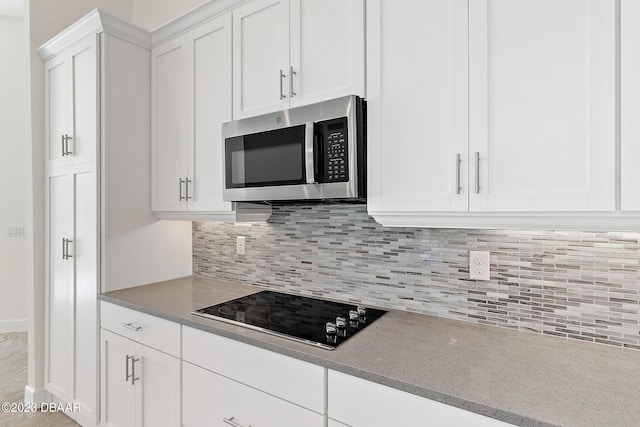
(291, 379)
(149, 330)
(209, 398)
(361, 403)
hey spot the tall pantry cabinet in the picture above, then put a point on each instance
(99, 237)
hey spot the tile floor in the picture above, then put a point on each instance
(13, 378)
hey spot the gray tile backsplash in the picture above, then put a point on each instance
(578, 285)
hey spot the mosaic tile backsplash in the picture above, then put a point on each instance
(578, 285)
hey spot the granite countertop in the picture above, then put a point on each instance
(519, 377)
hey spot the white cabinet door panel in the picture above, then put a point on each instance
(211, 83)
(542, 105)
(169, 133)
(83, 60)
(417, 77)
(84, 250)
(158, 389)
(209, 398)
(118, 395)
(260, 55)
(327, 49)
(630, 105)
(57, 109)
(59, 290)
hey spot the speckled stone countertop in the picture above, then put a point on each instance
(519, 377)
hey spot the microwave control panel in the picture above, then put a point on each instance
(335, 151)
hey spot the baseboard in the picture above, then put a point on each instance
(37, 396)
(13, 326)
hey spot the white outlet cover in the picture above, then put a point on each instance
(479, 265)
(241, 245)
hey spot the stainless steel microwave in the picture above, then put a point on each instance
(313, 152)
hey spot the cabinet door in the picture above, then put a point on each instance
(417, 105)
(209, 399)
(118, 395)
(630, 105)
(83, 60)
(169, 131)
(210, 50)
(57, 110)
(327, 50)
(542, 105)
(84, 250)
(260, 58)
(158, 388)
(59, 292)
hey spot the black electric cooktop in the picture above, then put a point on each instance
(320, 323)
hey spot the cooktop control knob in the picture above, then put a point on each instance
(362, 311)
(341, 322)
(331, 328)
(353, 315)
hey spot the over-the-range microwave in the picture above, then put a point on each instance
(313, 152)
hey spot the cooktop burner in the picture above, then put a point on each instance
(320, 323)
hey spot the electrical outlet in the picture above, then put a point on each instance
(479, 265)
(241, 245)
(15, 231)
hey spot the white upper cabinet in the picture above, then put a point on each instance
(542, 105)
(296, 52)
(210, 48)
(417, 118)
(261, 57)
(630, 105)
(71, 94)
(327, 50)
(489, 107)
(169, 132)
(192, 86)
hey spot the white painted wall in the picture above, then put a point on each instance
(13, 175)
(151, 14)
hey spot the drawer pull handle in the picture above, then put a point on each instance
(231, 422)
(130, 326)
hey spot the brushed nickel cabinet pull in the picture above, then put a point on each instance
(180, 196)
(133, 370)
(458, 189)
(65, 248)
(187, 181)
(477, 172)
(128, 375)
(131, 326)
(232, 423)
(291, 74)
(282, 76)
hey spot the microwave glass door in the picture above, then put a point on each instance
(264, 159)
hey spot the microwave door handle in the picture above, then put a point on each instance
(310, 147)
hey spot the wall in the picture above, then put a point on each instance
(151, 14)
(577, 285)
(13, 179)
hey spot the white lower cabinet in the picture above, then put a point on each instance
(361, 403)
(212, 400)
(140, 384)
(226, 382)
